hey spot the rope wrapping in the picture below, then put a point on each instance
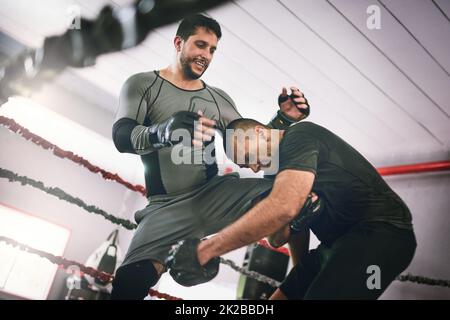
(423, 280)
(60, 261)
(251, 274)
(61, 194)
(65, 264)
(160, 295)
(57, 151)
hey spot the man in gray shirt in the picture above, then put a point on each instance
(186, 199)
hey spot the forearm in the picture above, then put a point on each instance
(142, 141)
(287, 197)
(121, 134)
(280, 237)
(131, 137)
(263, 219)
(299, 246)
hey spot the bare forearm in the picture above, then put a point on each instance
(280, 237)
(262, 220)
(288, 196)
(299, 246)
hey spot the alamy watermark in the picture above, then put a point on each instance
(73, 21)
(373, 21)
(74, 280)
(243, 147)
(374, 280)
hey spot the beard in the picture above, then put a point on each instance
(187, 69)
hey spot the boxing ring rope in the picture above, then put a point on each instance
(60, 261)
(65, 264)
(57, 151)
(415, 168)
(45, 144)
(11, 176)
(62, 195)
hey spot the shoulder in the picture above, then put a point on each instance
(300, 134)
(222, 94)
(303, 127)
(141, 79)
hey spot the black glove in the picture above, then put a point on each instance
(184, 266)
(283, 98)
(161, 134)
(282, 121)
(307, 215)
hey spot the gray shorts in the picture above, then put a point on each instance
(200, 212)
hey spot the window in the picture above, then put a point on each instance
(21, 273)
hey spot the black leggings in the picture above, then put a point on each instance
(342, 270)
(134, 280)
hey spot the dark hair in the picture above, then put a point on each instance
(189, 25)
(239, 124)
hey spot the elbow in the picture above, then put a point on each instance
(286, 210)
(291, 210)
(119, 142)
(290, 213)
(120, 147)
(121, 133)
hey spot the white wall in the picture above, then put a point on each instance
(428, 197)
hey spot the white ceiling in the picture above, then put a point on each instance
(387, 91)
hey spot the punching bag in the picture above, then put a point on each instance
(268, 262)
(107, 257)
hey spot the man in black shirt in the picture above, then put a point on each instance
(365, 228)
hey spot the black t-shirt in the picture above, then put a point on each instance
(353, 189)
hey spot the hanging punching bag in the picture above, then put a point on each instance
(107, 257)
(268, 262)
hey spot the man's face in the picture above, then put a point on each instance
(196, 52)
(251, 149)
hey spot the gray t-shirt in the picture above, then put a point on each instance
(147, 98)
